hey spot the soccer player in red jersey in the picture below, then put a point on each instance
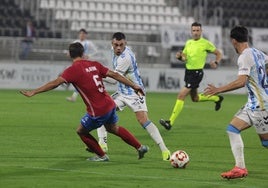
(86, 76)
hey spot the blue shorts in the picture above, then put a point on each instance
(91, 123)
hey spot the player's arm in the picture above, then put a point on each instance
(236, 84)
(181, 56)
(124, 80)
(48, 86)
(218, 55)
(214, 64)
(109, 80)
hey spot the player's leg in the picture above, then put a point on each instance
(102, 133)
(214, 98)
(238, 124)
(111, 126)
(153, 131)
(260, 124)
(73, 97)
(202, 98)
(176, 109)
(91, 143)
(264, 140)
(139, 107)
(193, 79)
(127, 137)
(87, 124)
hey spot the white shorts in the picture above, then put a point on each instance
(135, 102)
(258, 119)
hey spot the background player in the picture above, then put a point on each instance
(252, 74)
(194, 55)
(86, 76)
(89, 50)
(124, 62)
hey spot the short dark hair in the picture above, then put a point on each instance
(197, 24)
(239, 33)
(83, 30)
(119, 36)
(76, 50)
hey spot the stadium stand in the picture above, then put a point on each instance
(136, 16)
(251, 13)
(141, 20)
(13, 18)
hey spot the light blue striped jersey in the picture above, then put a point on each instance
(126, 65)
(252, 62)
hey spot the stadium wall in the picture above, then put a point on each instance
(28, 76)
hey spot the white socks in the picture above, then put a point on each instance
(102, 134)
(74, 95)
(150, 128)
(155, 135)
(237, 147)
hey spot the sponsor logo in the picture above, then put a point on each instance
(168, 82)
(6, 74)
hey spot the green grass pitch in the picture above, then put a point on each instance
(39, 147)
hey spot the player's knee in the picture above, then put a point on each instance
(264, 143)
(111, 128)
(142, 120)
(195, 98)
(233, 129)
(78, 131)
(81, 130)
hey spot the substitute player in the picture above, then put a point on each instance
(194, 55)
(252, 74)
(86, 76)
(124, 62)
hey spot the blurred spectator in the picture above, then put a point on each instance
(26, 44)
(89, 46)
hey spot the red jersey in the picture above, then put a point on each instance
(86, 76)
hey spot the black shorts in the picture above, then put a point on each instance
(193, 78)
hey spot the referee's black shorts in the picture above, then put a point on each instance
(193, 78)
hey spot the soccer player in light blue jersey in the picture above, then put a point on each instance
(124, 62)
(252, 74)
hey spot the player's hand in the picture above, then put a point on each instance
(179, 55)
(213, 64)
(139, 90)
(211, 90)
(27, 93)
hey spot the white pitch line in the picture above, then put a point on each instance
(133, 176)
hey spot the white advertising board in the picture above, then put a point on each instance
(28, 76)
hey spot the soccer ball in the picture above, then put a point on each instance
(179, 159)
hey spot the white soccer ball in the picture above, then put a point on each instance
(179, 159)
